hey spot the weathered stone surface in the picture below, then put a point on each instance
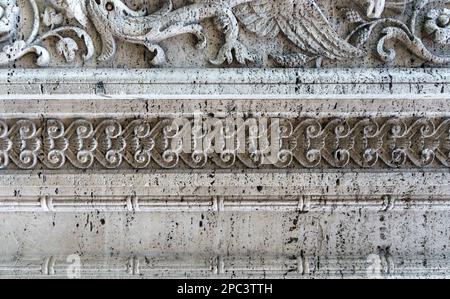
(113, 167)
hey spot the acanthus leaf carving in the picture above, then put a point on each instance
(33, 44)
(302, 22)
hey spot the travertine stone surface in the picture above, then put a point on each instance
(204, 33)
(210, 138)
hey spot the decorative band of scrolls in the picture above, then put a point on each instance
(210, 143)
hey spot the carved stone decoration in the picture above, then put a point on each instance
(66, 46)
(5, 145)
(438, 25)
(224, 138)
(9, 16)
(251, 143)
(302, 22)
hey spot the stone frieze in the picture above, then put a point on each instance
(300, 32)
(224, 143)
(237, 147)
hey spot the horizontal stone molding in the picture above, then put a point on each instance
(82, 162)
(377, 265)
(136, 204)
(163, 191)
(221, 83)
(206, 142)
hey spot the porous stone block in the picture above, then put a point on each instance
(213, 138)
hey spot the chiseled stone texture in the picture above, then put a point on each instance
(311, 142)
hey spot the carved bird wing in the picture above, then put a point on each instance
(303, 23)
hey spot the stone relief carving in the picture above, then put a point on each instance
(301, 22)
(223, 143)
(382, 151)
(9, 14)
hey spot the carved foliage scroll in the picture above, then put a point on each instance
(303, 23)
(225, 143)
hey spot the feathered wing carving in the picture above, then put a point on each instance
(302, 22)
(109, 45)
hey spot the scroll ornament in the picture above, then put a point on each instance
(218, 143)
(302, 22)
(10, 14)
